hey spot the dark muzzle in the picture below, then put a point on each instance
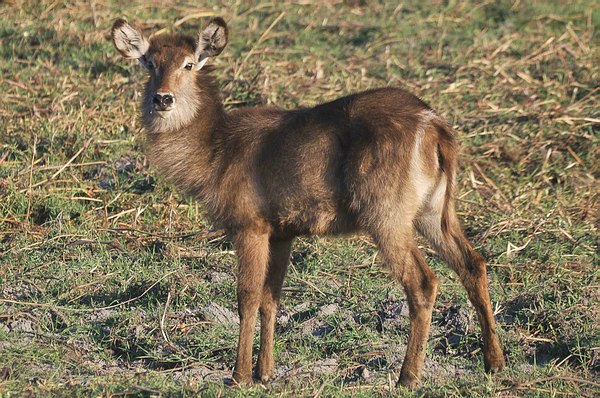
(163, 101)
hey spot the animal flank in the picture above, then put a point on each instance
(379, 161)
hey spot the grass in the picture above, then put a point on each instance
(113, 284)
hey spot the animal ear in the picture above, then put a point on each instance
(212, 41)
(129, 41)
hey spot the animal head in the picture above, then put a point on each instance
(173, 62)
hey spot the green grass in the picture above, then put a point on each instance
(107, 273)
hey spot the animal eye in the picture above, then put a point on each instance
(151, 65)
(189, 66)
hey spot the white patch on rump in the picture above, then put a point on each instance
(421, 182)
(436, 201)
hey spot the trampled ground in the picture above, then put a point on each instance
(112, 283)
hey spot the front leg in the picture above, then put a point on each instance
(278, 262)
(253, 256)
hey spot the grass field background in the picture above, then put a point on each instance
(113, 284)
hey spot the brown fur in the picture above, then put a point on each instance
(380, 161)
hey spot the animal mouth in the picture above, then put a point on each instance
(163, 107)
(161, 111)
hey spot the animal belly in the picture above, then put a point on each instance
(313, 217)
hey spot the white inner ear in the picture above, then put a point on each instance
(201, 63)
(131, 42)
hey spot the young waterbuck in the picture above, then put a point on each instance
(381, 162)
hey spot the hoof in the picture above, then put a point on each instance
(408, 381)
(264, 377)
(494, 365)
(239, 380)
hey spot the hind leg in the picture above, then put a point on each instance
(408, 266)
(458, 253)
(471, 268)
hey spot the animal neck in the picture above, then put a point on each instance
(184, 151)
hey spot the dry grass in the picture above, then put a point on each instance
(107, 275)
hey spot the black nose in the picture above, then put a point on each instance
(162, 101)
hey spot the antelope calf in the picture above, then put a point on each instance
(380, 161)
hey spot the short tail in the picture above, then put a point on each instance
(447, 159)
(438, 222)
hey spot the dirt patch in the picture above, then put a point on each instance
(218, 277)
(201, 373)
(220, 315)
(451, 327)
(392, 315)
(25, 291)
(21, 326)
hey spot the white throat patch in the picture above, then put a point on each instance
(187, 104)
